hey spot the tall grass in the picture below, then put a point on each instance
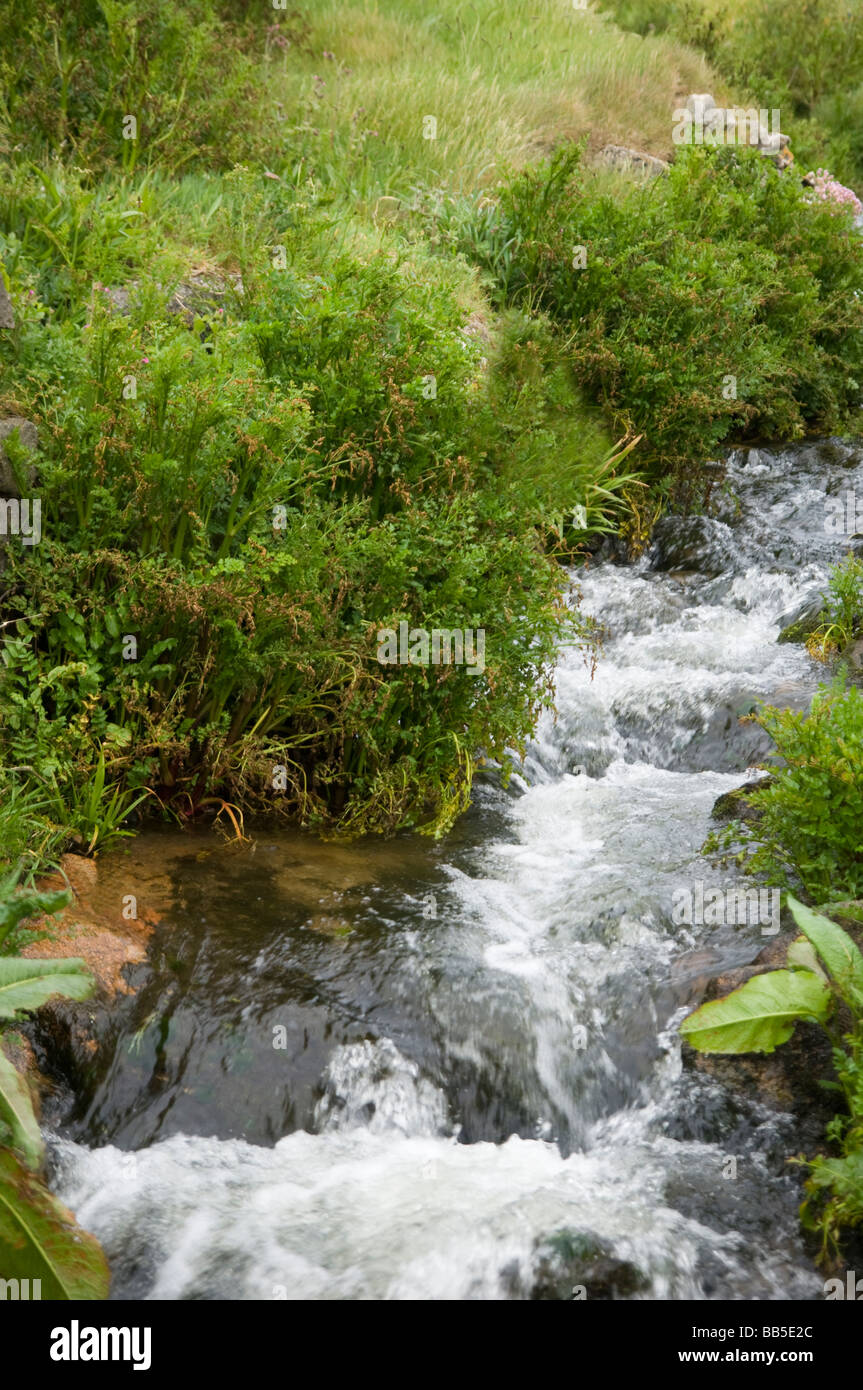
(505, 82)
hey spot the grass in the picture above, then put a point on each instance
(505, 82)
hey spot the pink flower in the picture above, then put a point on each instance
(829, 190)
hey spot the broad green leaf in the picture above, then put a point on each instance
(40, 1239)
(16, 1112)
(14, 907)
(27, 984)
(759, 1015)
(802, 954)
(836, 949)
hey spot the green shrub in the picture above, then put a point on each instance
(842, 612)
(804, 57)
(809, 828)
(71, 74)
(222, 544)
(714, 301)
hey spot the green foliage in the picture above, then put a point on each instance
(27, 984)
(804, 57)
(72, 73)
(40, 1239)
(808, 827)
(340, 453)
(16, 906)
(29, 838)
(843, 610)
(95, 813)
(19, 1128)
(762, 1013)
(723, 255)
(759, 1015)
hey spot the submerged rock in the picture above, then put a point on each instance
(573, 1265)
(692, 543)
(570, 1261)
(799, 622)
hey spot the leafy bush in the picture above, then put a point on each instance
(824, 976)
(333, 451)
(71, 75)
(804, 57)
(808, 828)
(712, 302)
(842, 612)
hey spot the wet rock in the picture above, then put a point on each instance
(29, 439)
(736, 805)
(789, 1079)
(799, 622)
(853, 659)
(7, 313)
(572, 1259)
(636, 161)
(693, 543)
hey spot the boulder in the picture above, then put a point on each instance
(29, 439)
(621, 157)
(736, 805)
(799, 622)
(698, 544)
(570, 1259)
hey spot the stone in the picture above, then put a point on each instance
(695, 544)
(799, 622)
(736, 805)
(699, 105)
(569, 1260)
(7, 313)
(636, 161)
(29, 438)
(853, 658)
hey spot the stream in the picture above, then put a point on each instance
(408, 1070)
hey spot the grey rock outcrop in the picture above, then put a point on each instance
(622, 157)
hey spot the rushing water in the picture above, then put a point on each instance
(405, 1070)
